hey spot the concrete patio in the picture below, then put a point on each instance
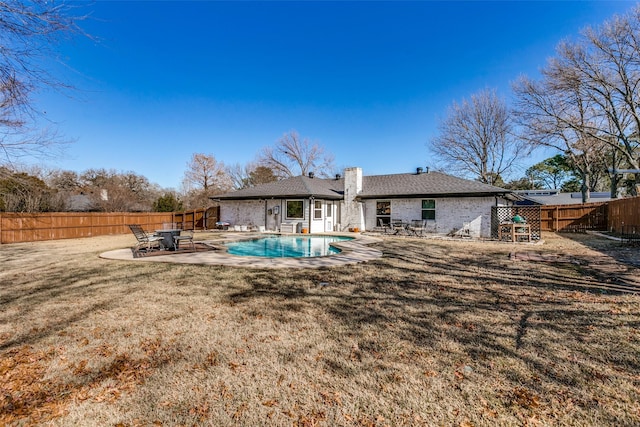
(353, 252)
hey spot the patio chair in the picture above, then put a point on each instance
(384, 227)
(187, 237)
(418, 227)
(149, 241)
(399, 226)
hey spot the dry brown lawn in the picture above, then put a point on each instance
(434, 333)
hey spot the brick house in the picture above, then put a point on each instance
(447, 203)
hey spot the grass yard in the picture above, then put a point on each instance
(434, 333)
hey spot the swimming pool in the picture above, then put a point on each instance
(286, 246)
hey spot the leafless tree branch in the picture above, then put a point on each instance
(293, 156)
(476, 138)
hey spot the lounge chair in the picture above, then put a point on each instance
(149, 241)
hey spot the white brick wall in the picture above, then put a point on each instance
(252, 212)
(451, 213)
(243, 212)
(352, 214)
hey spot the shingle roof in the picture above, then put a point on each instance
(423, 185)
(555, 197)
(299, 186)
(431, 184)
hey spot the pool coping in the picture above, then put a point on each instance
(353, 252)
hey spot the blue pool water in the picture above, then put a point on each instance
(286, 246)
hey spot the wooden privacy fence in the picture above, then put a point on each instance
(588, 216)
(611, 216)
(22, 227)
(624, 213)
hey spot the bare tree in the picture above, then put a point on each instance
(597, 81)
(22, 192)
(204, 172)
(111, 191)
(204, 177)
(249, 175)
(28, 32)
(293, 156)
(552, 113)
(238, 174)
(63, 180)
(475, 138)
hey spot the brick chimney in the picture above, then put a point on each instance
(353, 212)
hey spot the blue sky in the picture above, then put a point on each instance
(369, 81)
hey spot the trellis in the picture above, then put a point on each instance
(531, 214)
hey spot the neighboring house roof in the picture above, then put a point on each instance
(555, 197)
(79, 203)
(428, 184)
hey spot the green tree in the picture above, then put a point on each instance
(573, 185)
(523, 183)
(261, 175)
(550, 173)
(168, 202)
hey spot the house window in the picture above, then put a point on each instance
(383, 212)
(295, 209)
(429, 209)
(317, 209)
(329, 209)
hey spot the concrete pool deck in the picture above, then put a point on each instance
(353, 252)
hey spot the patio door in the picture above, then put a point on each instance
(317, 223)
(329, 216)
(383, 212)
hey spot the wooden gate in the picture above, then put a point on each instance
(577, 218)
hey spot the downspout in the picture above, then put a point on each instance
(311, 209)
(266, 215)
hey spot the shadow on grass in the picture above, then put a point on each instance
(620, 252)
(59, 288)
(553, 322)
(550, 327)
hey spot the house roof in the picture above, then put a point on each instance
(430, 184)
(296, 187)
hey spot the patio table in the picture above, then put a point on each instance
(400, 227)
(167, 238)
